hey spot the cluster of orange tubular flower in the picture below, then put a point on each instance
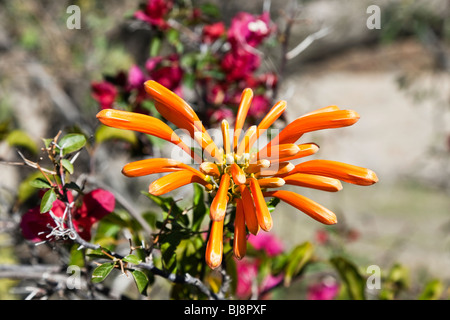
(236, 174)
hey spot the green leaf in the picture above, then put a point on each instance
(25, 189)
(169, 251)
(297, 259)
(97, 253)
(200, 209)
(72, 185)
(432, 291)
(155, 46)
(399, 275)
(210, 9)
(151, 218)
(102, 271)
(72, 142)
(353, 280)
(105, 133)
(141, 281)
(76, 256)
(169, 206)
(131, 258)
(397, 280)
(67, 165)
(189, 254)
(173, 36)
(47, 201)
(272, 203)
(22, 139)
(47, 142)
(40, 183)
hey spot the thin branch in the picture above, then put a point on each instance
(26, 162)
(302, 46)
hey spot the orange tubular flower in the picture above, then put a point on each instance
(219, 205)
(214, 247)
(237, 175)
(175, 180)
(240, 234)
(311, 208)
(157, 165)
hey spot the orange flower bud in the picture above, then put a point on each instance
(219, 204)
(226, 136)
(244, 105)
(249, 210)
(237, 174)
(175, 180)
(338, 170)
(305, 150)
(257, 166)
(313, 181)
(156, 165)
(311, 208)
(214, 246)
(240, 233)
(141, 123)
(277, 152)
(271, 182)
(276, 169)
(262, 212)
(210, 169)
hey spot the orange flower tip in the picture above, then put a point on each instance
(154, 190)
(128, 172)
(371, 177)
(264, 163)
(210, 169)
(237, 174)
(225, 125)
(219, 204)
(105, 114)
(289, 167)
(271, 182)
(217, 215)
(353, 114)
(267, 226)
(214, 262)
(332, 220)
(152, 86)
(314, 147)
(238, 256)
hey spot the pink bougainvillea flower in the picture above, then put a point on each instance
(260, 107)
(327, 289)
(212, 32)
(267, 243)
(166, 71)
(247, 269)
(136, 77)
(155, 12)
(238, 171)
(247, 275)
(239, 64)
(217, 116)
(36, 226)
(248, 29)
(265, 81)
(104, 93)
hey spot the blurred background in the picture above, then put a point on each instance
(395, 76)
